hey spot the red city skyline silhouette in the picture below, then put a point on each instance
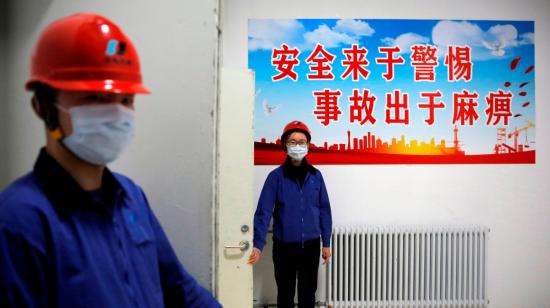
(370, 149)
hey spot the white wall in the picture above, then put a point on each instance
(512, 200)
(4, 22)
(172, 154)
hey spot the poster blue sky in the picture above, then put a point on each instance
(501, 59)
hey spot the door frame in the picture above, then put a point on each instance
(233, 187)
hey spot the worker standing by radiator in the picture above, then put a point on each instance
(296, 196)
(73, 233)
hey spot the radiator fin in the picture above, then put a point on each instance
(408, 267)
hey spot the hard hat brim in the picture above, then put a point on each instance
(107, 86)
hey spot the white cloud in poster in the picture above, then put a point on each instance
(527, 38)
(265, 34)
(269, 33)
(328, 37)
(405, 41)
(504, 33)
(353, 27)
(344, 32)
(496, 42)
(490, 44)
(457, 33)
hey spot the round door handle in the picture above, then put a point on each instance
(243, 245)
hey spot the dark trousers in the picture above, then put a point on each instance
(291, 260)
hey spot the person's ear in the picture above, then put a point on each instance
(36, 107)
(45, 111)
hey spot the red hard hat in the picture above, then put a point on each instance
(296, 125)
(86, 52)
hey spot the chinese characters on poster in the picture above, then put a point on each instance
(396, 91)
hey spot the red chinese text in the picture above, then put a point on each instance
(424, 61)
(326, 106)
(499, 107)
(397, 103)
(320, 63)
(284, 60)
(362, 107)
(431, 105)
(459, 63)
(389, 60)
(355, 62)
(464, 107)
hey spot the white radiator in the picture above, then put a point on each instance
(408, 267)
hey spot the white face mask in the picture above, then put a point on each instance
(297, 152)
(100, 132)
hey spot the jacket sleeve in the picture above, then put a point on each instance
(264, 210)
(325, 215)
(23, 271)
(179, 288)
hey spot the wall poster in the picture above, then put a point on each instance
(386, 91)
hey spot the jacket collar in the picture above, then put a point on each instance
(64, 192)
(289, 168)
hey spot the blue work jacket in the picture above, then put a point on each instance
(61, 248)
(300, 213)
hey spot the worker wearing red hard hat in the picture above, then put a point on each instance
(73, 233)
(295, 195)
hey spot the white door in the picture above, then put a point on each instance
(234, 191)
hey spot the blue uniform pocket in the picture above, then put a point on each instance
(137, 231)
(315, 193)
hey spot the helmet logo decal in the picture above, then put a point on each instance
(115, 47)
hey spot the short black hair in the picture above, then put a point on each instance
(46, 98)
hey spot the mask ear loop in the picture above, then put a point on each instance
(57, 133)
(45, 97)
